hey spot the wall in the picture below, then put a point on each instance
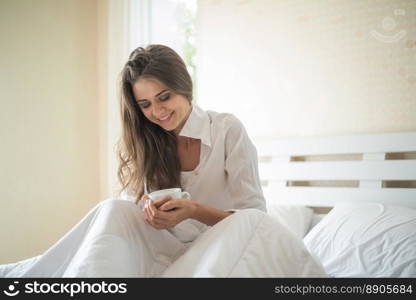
(49, 121)
(309, 68)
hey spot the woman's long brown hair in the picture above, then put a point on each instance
(146, 151)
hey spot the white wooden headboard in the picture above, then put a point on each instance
(373, 167)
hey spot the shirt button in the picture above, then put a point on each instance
(196, 173)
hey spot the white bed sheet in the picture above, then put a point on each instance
(112, 240)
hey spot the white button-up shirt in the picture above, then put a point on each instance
(227, 176)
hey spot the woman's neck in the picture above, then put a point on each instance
(178, 129)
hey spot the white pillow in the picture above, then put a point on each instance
(366, 240)
(296, 218)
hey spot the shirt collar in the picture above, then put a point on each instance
(198, 126)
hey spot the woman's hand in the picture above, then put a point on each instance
(142, 201)
(167, 212)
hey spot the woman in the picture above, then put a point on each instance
(167, 142)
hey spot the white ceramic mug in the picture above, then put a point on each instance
(175, 193)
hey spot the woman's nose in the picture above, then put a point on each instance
(158, 110)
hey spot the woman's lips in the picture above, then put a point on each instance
(166, 118)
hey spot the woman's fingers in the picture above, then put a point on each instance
(157, 214)
(155, 217)
(164, 213)
(152, 208)
(157, 203)
(171, 205)
(150, 219)
(146, 211)
(142, 201)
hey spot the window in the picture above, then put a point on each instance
(167, 22)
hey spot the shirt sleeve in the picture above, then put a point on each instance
(241, 167)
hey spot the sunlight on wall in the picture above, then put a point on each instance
(308, 68)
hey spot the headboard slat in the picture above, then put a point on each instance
(335, 170)
(348, 144)
(328, 197)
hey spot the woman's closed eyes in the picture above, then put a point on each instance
(163, 98)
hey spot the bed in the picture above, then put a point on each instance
(355, 197)
(340, 206)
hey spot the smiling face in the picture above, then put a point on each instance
(160, 105)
